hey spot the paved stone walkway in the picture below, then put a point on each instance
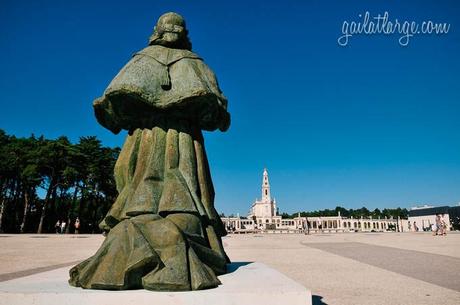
(18, 274)
(345, 269)
(437, 269)
(361, 268)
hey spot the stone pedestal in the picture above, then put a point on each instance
(251, 283)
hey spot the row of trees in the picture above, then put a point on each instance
(44, 180)
(357, 213)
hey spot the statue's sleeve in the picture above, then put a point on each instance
(220, 118)
(127, 101)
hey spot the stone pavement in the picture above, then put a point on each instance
(415, 264)
(347, 268)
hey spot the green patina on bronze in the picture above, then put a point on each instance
(163, 230)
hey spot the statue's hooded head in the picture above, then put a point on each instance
(171, 32)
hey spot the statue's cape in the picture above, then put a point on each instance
(161, 81)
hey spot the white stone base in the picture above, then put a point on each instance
(253, 283)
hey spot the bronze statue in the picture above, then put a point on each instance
(163, 230)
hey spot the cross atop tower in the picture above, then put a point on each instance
(265, 187)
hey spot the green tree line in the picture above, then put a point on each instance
(43, 181)
(355, 213)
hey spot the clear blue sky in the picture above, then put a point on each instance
(373, 123)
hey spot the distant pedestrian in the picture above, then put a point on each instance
(438, 225)
(77, 226)
(444, 227)
(63, 224)
(57, 227)
(433, 229)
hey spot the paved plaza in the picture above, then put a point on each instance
(347, 268)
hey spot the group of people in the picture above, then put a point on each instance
(439, 227)
(61, 226)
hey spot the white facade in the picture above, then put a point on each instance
(266, 206)
(327, 224)
(422, 218)
(263, 217)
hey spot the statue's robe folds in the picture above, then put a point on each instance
(163, 230)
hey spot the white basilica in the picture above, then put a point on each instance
(263, 218)
(265, 207)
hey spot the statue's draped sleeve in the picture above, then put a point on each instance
(159, 82)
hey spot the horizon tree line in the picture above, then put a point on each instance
(355, 213)
(43, 181)
(46, 180)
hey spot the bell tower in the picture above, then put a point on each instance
(266, 187)
(266, 206)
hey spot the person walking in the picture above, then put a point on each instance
(444, 226)
(77, 226)
(438, 225)
(63, 224)
(307, 225)
(57, 227)
(433, 229)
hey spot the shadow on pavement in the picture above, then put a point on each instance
(317, 300)
(232, 267)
